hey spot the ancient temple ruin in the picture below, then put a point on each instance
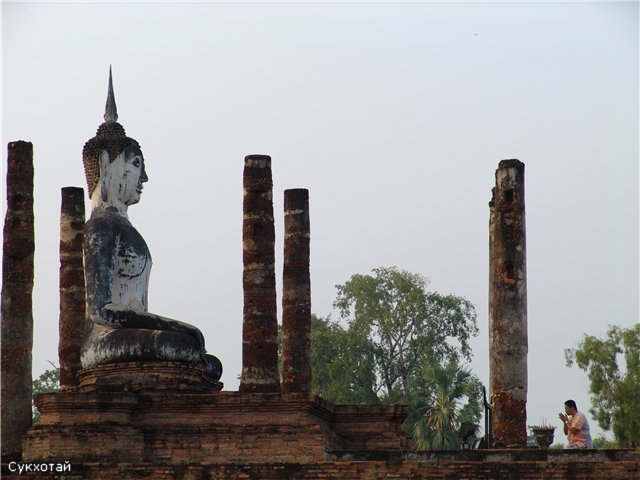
(162, 404)
(132, 408)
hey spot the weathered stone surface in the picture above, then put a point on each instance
(17, 287)
(260, 325)
(101, 422)
(296, 294)
(508, 306)
(72, 326)
(117, 264)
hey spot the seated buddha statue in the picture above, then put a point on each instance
(117, 263)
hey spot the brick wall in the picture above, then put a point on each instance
(491, 464)
(177, 427)
(146, 432)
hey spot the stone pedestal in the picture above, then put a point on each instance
(145, 376)
(146, 413)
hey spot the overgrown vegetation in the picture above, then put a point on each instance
(400, 343)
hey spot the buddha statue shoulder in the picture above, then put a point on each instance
(118, 263)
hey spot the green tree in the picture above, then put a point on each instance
(438, 419)
(406, 326)
(395, 329)
(342, 363)
(614, 389)
(48, 382)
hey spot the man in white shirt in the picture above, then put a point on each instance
(576, 426)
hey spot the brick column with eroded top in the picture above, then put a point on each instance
(508, 306)
(260, 324)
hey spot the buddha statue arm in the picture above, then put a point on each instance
(101, 245)
(125, 317)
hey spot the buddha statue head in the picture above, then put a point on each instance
(113, 163)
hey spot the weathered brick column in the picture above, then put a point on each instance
(72, 291)
(508, 306)
(17, 287)
(296, 294)
(260, 324)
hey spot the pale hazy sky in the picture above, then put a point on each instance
(394, 116)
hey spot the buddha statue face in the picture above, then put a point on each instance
(122, 179)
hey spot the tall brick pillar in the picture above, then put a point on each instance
(17, 287)
(296, 294)
(260, 324)
(508, 306)
(72, 292)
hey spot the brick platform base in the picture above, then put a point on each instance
(160, 421)
(151, 417)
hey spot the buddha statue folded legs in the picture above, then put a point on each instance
(113, 345)
(118, 264)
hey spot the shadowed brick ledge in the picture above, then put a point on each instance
(523, 464)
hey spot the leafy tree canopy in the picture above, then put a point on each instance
(613, 367)
(393, 332)
(406, 326)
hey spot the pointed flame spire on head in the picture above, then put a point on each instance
(110, 137)
(110, 110)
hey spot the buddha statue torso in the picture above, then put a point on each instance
(132, 260)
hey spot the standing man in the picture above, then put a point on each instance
(576, 427)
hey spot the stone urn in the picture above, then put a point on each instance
(543, 436)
